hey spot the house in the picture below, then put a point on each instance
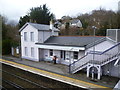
(92, 54)
(75, 23)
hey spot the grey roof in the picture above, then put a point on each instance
(39, 26)
(74, 40)
(75, 21)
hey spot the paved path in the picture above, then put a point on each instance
(63, 70)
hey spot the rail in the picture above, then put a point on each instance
(98, 57)
(38, 85)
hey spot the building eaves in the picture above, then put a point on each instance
(41, 27)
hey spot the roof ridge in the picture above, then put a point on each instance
(38, 23)
(81, 36)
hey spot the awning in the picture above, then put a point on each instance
(66, 48)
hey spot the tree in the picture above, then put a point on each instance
(118, 19)
(23, 20)
(41, 15)
(67, 25)
(8, 36)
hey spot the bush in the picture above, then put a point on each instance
(6, 46)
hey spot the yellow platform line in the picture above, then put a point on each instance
(85, 84)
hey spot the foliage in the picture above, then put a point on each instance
(8, 36)
(102, 19)
(118, 19)
(40, 15)
(6, 46)
(23, 20)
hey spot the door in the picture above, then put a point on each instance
(62, 55)
(41, 54)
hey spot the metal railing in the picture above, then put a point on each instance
(99, 58)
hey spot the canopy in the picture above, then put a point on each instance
(66, 48)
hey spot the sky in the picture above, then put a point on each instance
(14, 9)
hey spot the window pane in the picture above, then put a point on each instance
(75, 55)
(26, 51)
(32, 36)
(25, 36)
(61, 54)
(51, 52)
(64, 55)
(32, 52)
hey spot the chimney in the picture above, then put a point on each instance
(51, 27)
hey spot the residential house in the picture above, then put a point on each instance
(41, 42)
(76, 23)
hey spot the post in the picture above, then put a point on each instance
(88, 70)
(20, 53)
(93, 50)
(99, 73)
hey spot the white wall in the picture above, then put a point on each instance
(102, 46)
(44, 35)
(29, 43)
(39, 36)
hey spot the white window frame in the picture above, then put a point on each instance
(25, 36)
(26, 51)
(32, 36)
(32, 51)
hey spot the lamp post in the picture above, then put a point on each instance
(19, 47)
(93, 70)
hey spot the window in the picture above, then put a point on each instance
(51, 52)
(75, 55)
(32, 52)
(63, 55)
(32, 36)
(26, 51)
(25, 36)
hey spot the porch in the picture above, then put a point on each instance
(65, 57)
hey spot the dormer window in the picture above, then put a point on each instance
(25, 36)
(32, 36)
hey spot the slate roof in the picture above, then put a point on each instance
(75, 21)
(39, 26)
(84, 41)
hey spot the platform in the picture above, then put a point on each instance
(56, 71)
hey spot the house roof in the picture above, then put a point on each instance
(84, 41)
(75, 21)
(39, 26)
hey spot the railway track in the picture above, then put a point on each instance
(19, 85)
(10, 84)
(30, 80)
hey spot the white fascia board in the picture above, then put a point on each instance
(66, 48)
(24, 26)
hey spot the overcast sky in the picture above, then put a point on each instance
(13, 9)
